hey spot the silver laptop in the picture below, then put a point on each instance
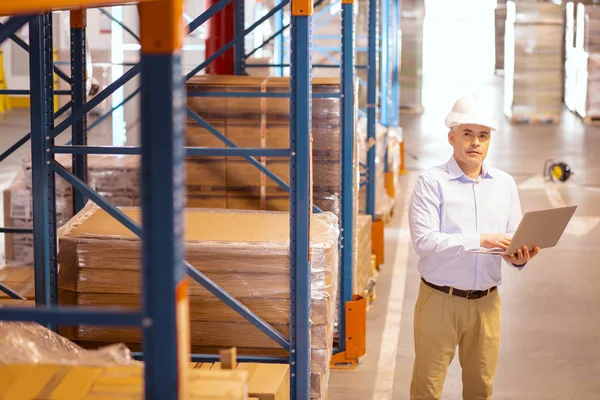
(541, 228)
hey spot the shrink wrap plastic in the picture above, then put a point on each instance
(383, 202)
(31, 343)
(232, 182)
(533, 61)
(244, 252)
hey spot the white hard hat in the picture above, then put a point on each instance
(470, 109)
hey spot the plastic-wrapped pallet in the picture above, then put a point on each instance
(115, 177)
(362, 271)
(232, 182)
(411, 68)
(383, 202)
(500, 24)
(587, 59)
(533, 62)
(244, 252)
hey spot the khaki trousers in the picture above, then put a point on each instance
(443, 323)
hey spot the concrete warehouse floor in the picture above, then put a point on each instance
(550, 311)
(550, 338)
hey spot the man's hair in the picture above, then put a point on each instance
(453, 129)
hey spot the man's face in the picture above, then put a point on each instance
(471, 143)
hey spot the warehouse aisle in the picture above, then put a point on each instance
(550, 346)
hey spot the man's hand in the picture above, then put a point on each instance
(522, 256)
(494, 240)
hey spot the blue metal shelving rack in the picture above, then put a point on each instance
(162, 153)
(346, 95)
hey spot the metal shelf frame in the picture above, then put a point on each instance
(162, 151)
(347, 67)
(383, 97)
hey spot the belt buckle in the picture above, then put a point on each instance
(469, 292)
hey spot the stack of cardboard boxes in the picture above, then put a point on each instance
(244, 252)
(500, 25)
(533, 62)
(411, 70)
(587, 59)
(114, 177)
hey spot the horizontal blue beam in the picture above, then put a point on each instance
(125, 28)
(189, 151)
(65, 315)
(236, 306)
(16, 230)
(333, 95)
(212, 358)
(26, 138)
(236, 39)
(26, 92)
(10, 293)
(99, 98)
(288, 65)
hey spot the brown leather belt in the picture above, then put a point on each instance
(467, 294)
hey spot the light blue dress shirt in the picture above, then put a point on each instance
(448, 212)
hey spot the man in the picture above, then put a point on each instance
(459, 206)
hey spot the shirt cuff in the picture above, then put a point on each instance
(471, 241)
(519, 267)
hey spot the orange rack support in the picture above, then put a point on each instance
(377, 240)
(356, 335)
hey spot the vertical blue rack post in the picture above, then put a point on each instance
(371, 107)
(78, 23)
(396, 46)
(352, 320)
(300, 201)
(347, 172)
(43, 189)
(165, 289)
(162, 152)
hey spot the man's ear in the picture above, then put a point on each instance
(451, 137)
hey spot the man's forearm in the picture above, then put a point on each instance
(438, 244)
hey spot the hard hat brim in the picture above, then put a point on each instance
(455, 119)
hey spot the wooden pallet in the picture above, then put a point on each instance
(535, 119)
(593, 120)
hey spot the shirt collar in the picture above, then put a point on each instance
(456, 172)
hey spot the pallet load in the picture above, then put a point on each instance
(533, 62)
(384, 204)
(115, 177)
(571, 58)
(587, 55)
(232, 182)
(500, 26)
(362, 273)
(411, 62)
(245, 253)
(56, 368)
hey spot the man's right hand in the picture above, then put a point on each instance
(495, 240)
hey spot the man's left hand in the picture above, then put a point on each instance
(522, 256)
